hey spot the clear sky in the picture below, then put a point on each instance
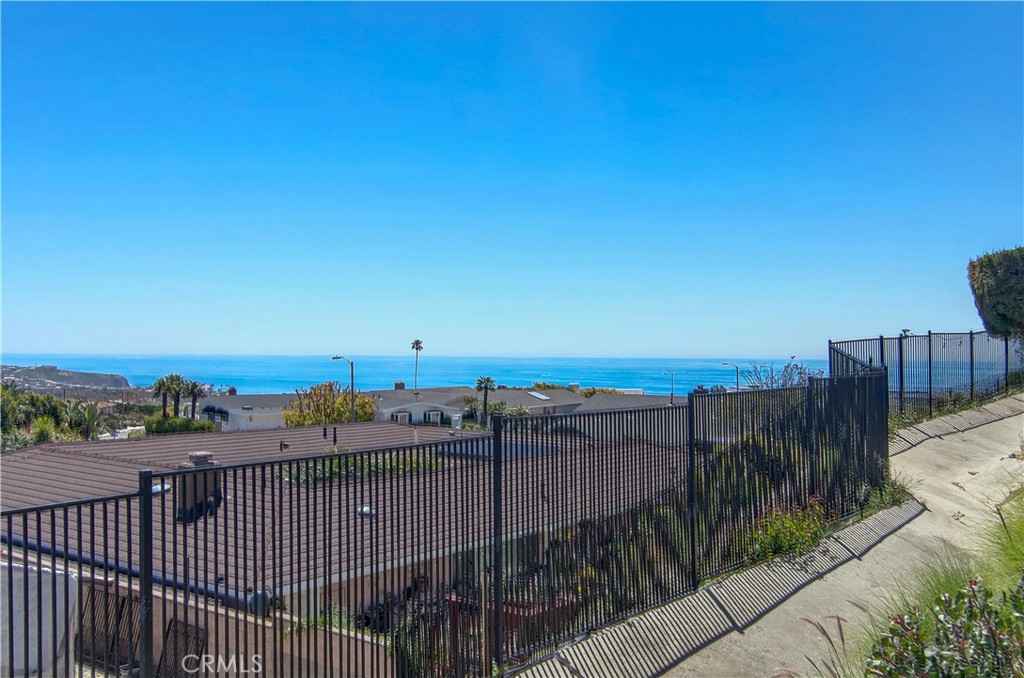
(681, 180)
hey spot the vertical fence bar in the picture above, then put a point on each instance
(1006, 364)
(899, 358)
(930, 405)
(970, 346)
(810, 444)
(497, 566)
(691, 489)
(146, 573)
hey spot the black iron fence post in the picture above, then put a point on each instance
(497, 565)
(691, 489)
(881, 349)
(146, 573)
(1006, 364)
(930, 413)
(810, 443)
(970, 339)
(899, 358)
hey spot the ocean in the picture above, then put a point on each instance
(283, 374)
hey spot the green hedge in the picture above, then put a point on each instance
(157, 425)
(997, 280)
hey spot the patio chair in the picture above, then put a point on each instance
(181, 640)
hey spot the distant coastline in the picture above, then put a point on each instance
(283, 374)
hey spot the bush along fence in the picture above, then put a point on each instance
(936, 371)
(458, 558)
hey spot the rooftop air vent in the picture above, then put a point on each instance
(200, 458)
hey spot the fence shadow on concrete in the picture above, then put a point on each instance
(654, 643)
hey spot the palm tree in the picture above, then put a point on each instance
(472, 403)
(160, 390)
(175, 386)
(90, 418)
(194, 390)
(417, 346)
(485, 384)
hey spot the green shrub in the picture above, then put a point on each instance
(15, 440)
(788, 530)
(894, 490)
(902, 420)
(335, 618)
(44, 430)
(970, 633)
(997, 281)
(157, 425)
(360, 465)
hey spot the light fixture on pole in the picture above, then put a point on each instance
(737, 374)
(351, 385)
(672, 393)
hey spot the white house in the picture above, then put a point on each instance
(426, 406)
(243, 412)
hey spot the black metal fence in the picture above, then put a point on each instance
(444, 559)
(68, 586)
(605, 515)
(931, 371)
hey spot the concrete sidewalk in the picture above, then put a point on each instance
(751, 624)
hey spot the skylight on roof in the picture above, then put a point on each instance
(538, 396)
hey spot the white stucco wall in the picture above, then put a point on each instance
(252, 420)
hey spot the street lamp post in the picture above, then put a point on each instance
(672, 393)
(737, 374)
(351, 385)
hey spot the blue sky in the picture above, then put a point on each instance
(682, 180)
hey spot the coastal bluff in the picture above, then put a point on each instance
(45, 377)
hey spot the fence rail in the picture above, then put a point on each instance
(928, 371)
(441, 559)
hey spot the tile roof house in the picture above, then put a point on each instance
(543, 401)
(422, 406)
(405, 406)
(625, 401)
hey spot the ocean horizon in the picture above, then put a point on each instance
(251, 374)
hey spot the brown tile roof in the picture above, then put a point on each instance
(97, 468)
(626, 401)
(312, 532)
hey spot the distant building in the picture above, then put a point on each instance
(426, 406)
(233, 413)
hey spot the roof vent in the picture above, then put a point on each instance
(200, 458)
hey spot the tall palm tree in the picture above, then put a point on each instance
(417, 346)
(485, 384)
(160, 391)
(194, 390)
(175, 385)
